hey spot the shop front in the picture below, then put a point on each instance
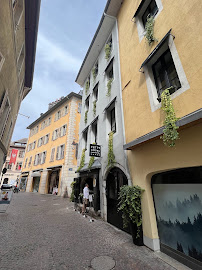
(90, 177)
(36, 176)
(53, 181)
(23, 181)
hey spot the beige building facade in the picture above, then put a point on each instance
(18, 35)
(51, 154)
(170, 176)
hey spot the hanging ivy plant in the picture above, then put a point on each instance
(130, 206)
(149, 28)
(170, 133)
(86, 117)
(72, 194)
(108, 49)
(94, 107)
(87, 86)
(94, 72)
(82, 162)
(111, 156)
(109, 86)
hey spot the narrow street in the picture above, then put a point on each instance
(44, 232)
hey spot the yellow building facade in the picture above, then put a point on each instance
(169, 175)
(51, 154)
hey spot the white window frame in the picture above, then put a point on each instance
(138, 18)
(151, 86)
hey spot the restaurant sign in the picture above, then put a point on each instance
(95, 150)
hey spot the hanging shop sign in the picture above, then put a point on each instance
(95, 150)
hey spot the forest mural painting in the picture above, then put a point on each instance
(179, 217)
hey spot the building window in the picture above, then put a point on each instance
(21, 58)
(56, 134)
(60, 152)
(95, 92)
(165, 74)
(66, 109)
(30, 162)
(94, 129)
(21, 154)
(49, 121)
(43, 157)
(2, 59)
(52, 154)
(87, 103)
(18, 9)
(57, 115)
(5, 109)
(162, 70)
(46, 138)
(79, 107)
(18, 166)
(63, 130)
(40, 142)
(146, 7)
(113, 120)
(85, 137)
(8, 165)
(25, 162)
(109, 71)
(151, 10)
(33, 145)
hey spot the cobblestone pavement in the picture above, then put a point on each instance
(44, 232)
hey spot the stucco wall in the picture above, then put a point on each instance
(184, 19)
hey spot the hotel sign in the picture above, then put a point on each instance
(95, 150)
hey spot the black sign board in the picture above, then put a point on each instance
(95, 150)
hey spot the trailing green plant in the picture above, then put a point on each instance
(170, 133)
(94, 72)
(92, 159)
(72, 194)
(109, 86)
(111, 156)
(108, 49)
(149, 28)
(82, 162)
(86, 117)
(130, 206)
(94, 108)
(87, 86)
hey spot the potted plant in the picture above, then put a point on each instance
(130, 206)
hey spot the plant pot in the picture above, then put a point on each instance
(133, 229)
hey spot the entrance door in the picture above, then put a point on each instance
(36, 181)
(53, 182)
(115, 179)
(178, 204)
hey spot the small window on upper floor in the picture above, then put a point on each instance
(108, 48)
(151, 10)
(94, 129)
(21, 58)
(146, 7)
(79, 107)
(85, 138)
(95, 71)
(87, 103)
(95, 92)
(109, 71)
(66, 109)
(17, 9)
(1, 60)
(113, 120)
(165, 74)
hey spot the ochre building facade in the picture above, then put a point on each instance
(170, 176)
(51, 154)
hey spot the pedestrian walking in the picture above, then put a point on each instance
(85, 198)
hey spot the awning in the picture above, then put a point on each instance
(95, 86)
(109, 64)
(96, 165)
(139, 8)
(96, 118)
(156, 49)
(113, 100)
(24, 174)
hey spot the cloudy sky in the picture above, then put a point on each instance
(66, 29)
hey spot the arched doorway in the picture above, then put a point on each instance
(115, 179)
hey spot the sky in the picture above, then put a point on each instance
(66, 29)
